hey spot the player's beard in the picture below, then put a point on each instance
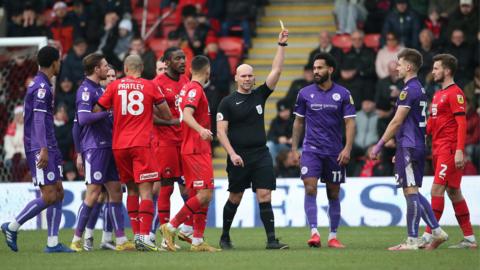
(319, 79)
(440, 80)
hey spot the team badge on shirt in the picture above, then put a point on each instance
(403, 95)
(192, 93)
(41, 93)
(259, 109)
(85, 96)
(336, 96)
(460, 99)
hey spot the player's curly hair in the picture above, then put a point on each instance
(448, 61)
(47, 55)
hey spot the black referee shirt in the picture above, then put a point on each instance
(245, 116)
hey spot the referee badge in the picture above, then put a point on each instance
(460, 99)
(85, 96)
(219, 116)
(259, 109)
(403, 95)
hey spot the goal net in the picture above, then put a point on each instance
(17, 68)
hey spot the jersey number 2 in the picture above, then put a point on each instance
(132, 103)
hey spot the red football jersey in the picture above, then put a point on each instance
(446, 104)
(170, 135)
(192, 95)
(132, 101)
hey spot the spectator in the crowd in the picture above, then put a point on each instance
(291, 96)
(465, 54)
(66, 95)
(160, 66)
(193, 32)
(239, 13)
(63, 131)
(116, 42)
(363, 57)
(220, 78)
(377, 11)
(428, 51)
(366, 126)
(15, 159)
(404, 22)
(386, 92)
(69, 171)
(348, 14)
(325, 45)
(108, 40)
(472, 140)
(435, 24)
(472, 90)
(279, 135)
(387, 54)
(444, 7)
(138, 47)
(465, 18)
(72, 66)
(287, 165)
(420, 7)
(22, 69)
(123, 8)
(359, 88)
(65, 26)
(25, 23)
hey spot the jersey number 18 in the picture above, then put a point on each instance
(131, 103)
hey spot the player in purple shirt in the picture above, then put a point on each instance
(95, 140)
(320, 109)
(43, 156)
(408, 126)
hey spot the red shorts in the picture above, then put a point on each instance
(198, 171)
(169, 161)
(446, 174)
(136, 164)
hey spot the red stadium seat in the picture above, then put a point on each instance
(233, 48)
(372, 41)
(343, 42)
(158, 45)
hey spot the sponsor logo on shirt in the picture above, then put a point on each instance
(198, 183)
(336, 96)
(318, 107)
(219, 116)
(147, 176)
(41, 93)
(460, 99)
(259, 109)
(239, 102)
(403, 95)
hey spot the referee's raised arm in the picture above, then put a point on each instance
(277, 64)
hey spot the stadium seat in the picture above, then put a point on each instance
(372, 41)
(343, 42)
(158, 45)
(233, 48)
(152, 16)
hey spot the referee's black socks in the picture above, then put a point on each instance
(229, 211)
(266, 214)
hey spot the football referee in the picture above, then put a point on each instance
(241, 131)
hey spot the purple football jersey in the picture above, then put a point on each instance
(39, 98)
(412, 131)
(99, 133)
(324, 112)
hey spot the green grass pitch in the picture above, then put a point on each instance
(366, 249)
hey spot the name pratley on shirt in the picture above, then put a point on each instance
(131, 86)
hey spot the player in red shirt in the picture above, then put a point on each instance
(167, 141)
(447, 125)
(133, 100)
(196, 157)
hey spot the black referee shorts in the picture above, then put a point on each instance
(257, 173)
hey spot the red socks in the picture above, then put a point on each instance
(463, 217)
(438, 203)
(145, 216)
(189, 221)
(200, 222)
(163, 204)
(132, 208)
(190, 207)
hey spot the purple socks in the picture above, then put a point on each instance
(427, 213)
(107, 218)
(82, 219)
(32, 209)
(414, 212)
(118, 220)
(92, 219)
(310, 206)
(334, 214)
(156, 221)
